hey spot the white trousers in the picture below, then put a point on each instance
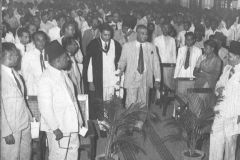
(20, 150)
(222, 145)
(64, 149)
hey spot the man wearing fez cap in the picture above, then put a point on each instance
(226, 126)
(60, 115)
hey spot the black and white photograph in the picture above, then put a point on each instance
(120, 80)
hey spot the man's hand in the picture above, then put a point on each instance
(157, 85)
(119, 73)
(10, 139)
(58, 133)
(220, 90)
(91, 86)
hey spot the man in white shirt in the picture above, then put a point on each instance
(15, 116)
(167, 51)
(71, 46)
(69, 30)
(45, 25)
(213, 29)
(226, 125)
(116, 24)
(181, 35)
(186, 61)
(33, 64)
(61, 118)
(54, 33)
(24, 38)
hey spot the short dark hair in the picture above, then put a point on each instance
(59, 16)
(212, 44)
(105, 27)
(141, 27)
(67, 24)
(7, 47)
(22, 30)
(66, 41)
(40, 33)
(188, 23)
(190, 34)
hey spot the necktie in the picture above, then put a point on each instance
(106, 46)
(17, 81)
(25, 48)
(70, 91)
(140, 61)
(116, 26)
(77, 75)
(43, 67)
(186, 65)
(232, 71)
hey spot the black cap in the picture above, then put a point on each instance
(235, 47)
(54, 50)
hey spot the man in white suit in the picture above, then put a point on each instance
(15, 126)
(167, 51)
(60, 114)
(226, 125)
(186, 61)
(140, 63)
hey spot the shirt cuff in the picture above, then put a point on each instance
(157, 80)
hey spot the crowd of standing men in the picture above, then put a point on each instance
(54, 51)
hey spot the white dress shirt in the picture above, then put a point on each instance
(32, 70)
(180, 71)
(45, 27)
(210, 32)
(21, 47)
(181, 38)
(167, 48)
(54, 33)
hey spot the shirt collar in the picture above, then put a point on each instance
(6, 69)
(55, 71)
(103, 42)
(138, 43)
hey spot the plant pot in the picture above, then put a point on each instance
(198, 155)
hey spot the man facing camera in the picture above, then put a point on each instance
(60, 115)
(15, 128)
(140, 63)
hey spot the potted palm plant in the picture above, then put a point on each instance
(123, 124)
(191, 128)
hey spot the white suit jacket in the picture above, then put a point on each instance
(14, 112)
(129, 62)
(167, 49)
(57, 106)
(31, 70)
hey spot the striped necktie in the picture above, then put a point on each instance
(17, 81)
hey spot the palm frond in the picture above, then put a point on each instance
(158, 143)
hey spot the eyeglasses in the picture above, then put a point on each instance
(60, 146)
